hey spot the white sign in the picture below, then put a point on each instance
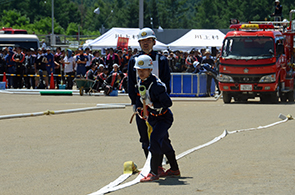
(246, 87)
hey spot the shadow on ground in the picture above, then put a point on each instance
(174, 181)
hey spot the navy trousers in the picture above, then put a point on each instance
(160, 142)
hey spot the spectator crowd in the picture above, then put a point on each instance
(66, 65)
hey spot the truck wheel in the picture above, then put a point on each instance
(291, 96)
(226, 97)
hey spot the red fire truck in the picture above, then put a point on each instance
(6, 30)
(257, 60)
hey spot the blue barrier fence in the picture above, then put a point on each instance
(182, 84)
(189, 85)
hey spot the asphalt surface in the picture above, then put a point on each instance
(79, 153)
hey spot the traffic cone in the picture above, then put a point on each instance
(52, 85)
(4, 79)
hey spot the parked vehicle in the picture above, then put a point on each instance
(24, 41)
(6, 30)
(257, 61)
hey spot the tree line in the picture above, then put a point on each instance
(69, 15)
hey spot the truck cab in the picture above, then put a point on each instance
(255, 62)
(7, 30)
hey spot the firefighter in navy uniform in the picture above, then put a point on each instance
(40, 64)
(10, 64)
(91, 73)
(97, 60)
(147, 40)
(2, 63)
(209, 66)
(19, 58)
(81, 61)
(50, 60)
(30, 68)
(154, 97)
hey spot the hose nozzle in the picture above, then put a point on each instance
(142, 91)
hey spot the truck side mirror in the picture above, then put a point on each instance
(280, 49)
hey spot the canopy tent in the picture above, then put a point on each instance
(110, 38)
(198, 38)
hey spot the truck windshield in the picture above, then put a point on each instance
(248, 48)
(20, 32)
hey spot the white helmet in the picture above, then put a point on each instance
(146, 33)
(143, 62)
(196, 63)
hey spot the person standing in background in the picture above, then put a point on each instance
(19, 58)
(69, 69)
(30, 68)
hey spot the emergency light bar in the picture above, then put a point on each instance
(251, 26)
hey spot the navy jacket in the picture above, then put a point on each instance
(164, 74)
(209, 68)
(50, 59)
(158, 95)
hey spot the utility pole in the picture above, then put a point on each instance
(140, 24)
(52, 42)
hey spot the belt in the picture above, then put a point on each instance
(159, 114)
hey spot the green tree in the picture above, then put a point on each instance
(72, 29)
(171, 13)
(152, 12)
(43, 26)
(95, 21)
(13, 18)
(118, 18)
(132, 14)
(74, 14)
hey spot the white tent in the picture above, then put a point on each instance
(110, 38)
(198, 38)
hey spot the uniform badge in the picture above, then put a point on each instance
(143, 34)
(140, 63)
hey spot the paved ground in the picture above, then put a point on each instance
(79, 153)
